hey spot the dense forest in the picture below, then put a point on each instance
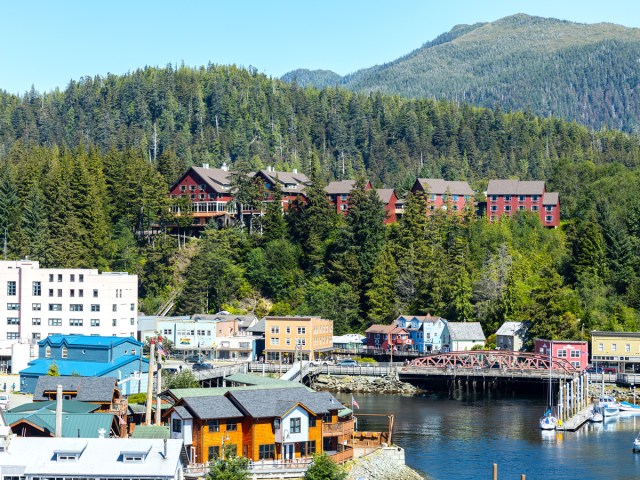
(586, 73)
(84, 175)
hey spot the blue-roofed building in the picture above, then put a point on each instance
(89, 356)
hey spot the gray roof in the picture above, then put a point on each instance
(279, 401)
(341, 187)
(216, 178)
(465, 331)
(550, 198)
(385, 194)
(515, 187)
(182, 412)
(210, 407)
(260, 327)
(90, 389)
(512, 328)
(286, 178)
(438, 186)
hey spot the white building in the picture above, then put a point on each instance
(34, 458)
(37, 302)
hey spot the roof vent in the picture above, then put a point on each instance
(205, 165)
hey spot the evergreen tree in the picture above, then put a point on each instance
(9, 209)
(382, 302)
(35, 225)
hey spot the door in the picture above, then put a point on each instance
(289, 451)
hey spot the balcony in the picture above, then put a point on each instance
(338, 429)
(341, 457)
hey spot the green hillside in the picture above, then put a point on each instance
(587, 73)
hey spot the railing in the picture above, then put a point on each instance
(223, 371)
(337, 429)
(343, 456)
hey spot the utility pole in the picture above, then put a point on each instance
(148, 419)
(159, 383)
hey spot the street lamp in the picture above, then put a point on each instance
(225, 438)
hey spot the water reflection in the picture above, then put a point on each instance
(461, 438)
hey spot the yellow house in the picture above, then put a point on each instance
(616, 349)
(286, 338)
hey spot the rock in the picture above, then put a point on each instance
(383, 464)
(359, 384)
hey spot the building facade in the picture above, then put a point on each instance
(512, 336)
(504, 197)
(389, 198)
(288, 338)
(388, 338)
(445, 195)
(461, 336)
(576, 352)
(424, 331)
(620, 350)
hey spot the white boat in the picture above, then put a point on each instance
(629, 407)
(609, 406)
(636, 444)
(596, 415)
(548, 421)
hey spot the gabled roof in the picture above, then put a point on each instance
(178, 393)
(151, 431)
(75, 425)
(89, 341)
(259, 327)
(550, 198)
(285, 179)
(41, 366)
(90, 389)
(380, 329)
(385, 194)
(209, 407)
(216, 178)
(459, 331)
(68, 406)
(438, 186)
(340, 187)
(512, 328)
(515, 187)
(279, 401)
(182, 412)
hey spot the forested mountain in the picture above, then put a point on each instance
(587, 73)
(84, 175)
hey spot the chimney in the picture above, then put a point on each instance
(59, 411)
(295, 170)
(205, 165)
(165, 448)
(225, 167)
(101, 432)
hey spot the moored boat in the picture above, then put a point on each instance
(636, 444)
(629, 407)
(596, 415)
(608, 406)
(548, 421)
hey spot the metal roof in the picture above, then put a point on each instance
(68, 406)
(40, 366)
(150, 431)
(91, 341)
(254, 379)
(512, 328)
(77, 425)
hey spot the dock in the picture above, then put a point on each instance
(575, 422)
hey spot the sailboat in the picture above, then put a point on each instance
(548, 421)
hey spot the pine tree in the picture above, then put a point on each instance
(35, 225)
(9, 209)
(381, 297)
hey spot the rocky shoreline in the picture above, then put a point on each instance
(389, 384)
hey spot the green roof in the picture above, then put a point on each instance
(252, 379)
(344, 412)
(150, 431)
(68, 406)
(179, 393)
(81, 425)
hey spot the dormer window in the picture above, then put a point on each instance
(47, 352)
(67, 456)
(65, 352)
(133, 457)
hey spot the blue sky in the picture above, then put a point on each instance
(47, 43)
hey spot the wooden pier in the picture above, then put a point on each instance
(574, 423)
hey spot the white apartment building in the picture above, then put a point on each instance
(37, 302)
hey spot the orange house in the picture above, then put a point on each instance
(281, 424)
(286, 338)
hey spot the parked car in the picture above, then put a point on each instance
(318, 363)
(610, 370)
(4, 401)
(194, 359)
(347, 363)
(202, 366)
(169, 370)
(593, 369)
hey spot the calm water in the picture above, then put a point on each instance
(462, 439)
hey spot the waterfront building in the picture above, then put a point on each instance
(100, 391)
(507, 196)
(460, 336)
(574, 351)
(283, 424)
(445, 195)
(289, 338)
(619, 350)
(32, 458)
(387, 337)
(352, 342)
(37, 302)
(89, 356)
(425, 331)
(512, 336)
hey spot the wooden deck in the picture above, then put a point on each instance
(574, 423)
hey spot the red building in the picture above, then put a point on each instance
(445, 195)
(339, 194)
(389, 198)
(291, 184)
(574, 351)
(507, 196)
(383, 336)
(208, 192)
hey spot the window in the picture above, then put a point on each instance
(521, 198)
(287, 330)
(133, 307)
(51, 277)
(627, 348)
(114, 322)
(614, 347)
(95, 307)
(575, 364)
(76, 307)
(36, 289)
(55, 307)
(548, 219)
(95, 293)
(308, 449)
(507, 198)
(287, 341)
(72, 293)
(275, 341)
(275, 329)
(51, 292)
(302, 330)
(72, 277)
(192, 188)
(13, 306)
(75, 322)
(11, 287)
(95, 322)
(81, 293)
(312, 421)
(455, 197)
(231, 450)
(81, 278)
(133, 457)
(13, 321)
(232, 427)
(59, 277)
(301, 341)
(35, 336)
(183, 188)
(535, 208)
(176, 425)
(562, 353)
(493, 198)
(549, 208)
(494, 208)
(47, 352)
(213, 453)
(600, 347)
(267, 452)
(114, 308)
(59, 292)
(213, 425)
(55, 322)
(294, 425)
(507, 208)
(521, 208)
(132, 321)
(575, 353)
(65, 352)
(36, 321)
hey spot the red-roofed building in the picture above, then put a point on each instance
(339, 194)
(507, 196)
(445, 195)
(383, 336)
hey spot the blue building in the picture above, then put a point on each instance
(89, 356)
(425, 332)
